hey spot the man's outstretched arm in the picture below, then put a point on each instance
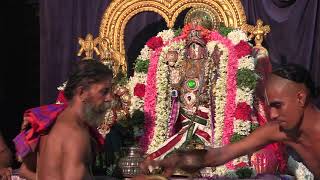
(255, 141)
(197, 159)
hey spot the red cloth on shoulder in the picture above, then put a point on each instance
(41, 120)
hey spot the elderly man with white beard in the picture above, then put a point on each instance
(66, 132)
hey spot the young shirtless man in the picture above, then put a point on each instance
(67, 151)
(295, 121)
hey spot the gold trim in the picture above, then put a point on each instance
(119, 12)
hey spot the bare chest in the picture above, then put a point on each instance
(309, 152)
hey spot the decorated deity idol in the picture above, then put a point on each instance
(196, 88)
(190, 97)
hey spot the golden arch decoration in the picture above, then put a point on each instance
(119, 12)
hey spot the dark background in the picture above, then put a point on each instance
(20, 63)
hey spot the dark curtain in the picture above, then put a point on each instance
(294, 34)
(295, 31)
(19, 78)
(62, 22)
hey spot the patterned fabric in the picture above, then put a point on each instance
(41, 120)
(196, 126)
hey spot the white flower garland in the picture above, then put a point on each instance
(163, 99)
(237, 35)
(145, 53)
(166, 35)
(220, 91)
(162, 105)
(246, 62)
(136, 102)
(300, 171)
(242, 127)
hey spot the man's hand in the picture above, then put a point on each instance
(168, 164)
(148, 165)
(189, 161)
(5, 173)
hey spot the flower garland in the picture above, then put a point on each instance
(150, 101)
(163, 95)
(220, 92)
(137, 102)
(162, 105)
(142, 65)
(300, 171)
(234, 95)
(150, 53)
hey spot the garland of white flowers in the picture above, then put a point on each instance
(237, 35)
(163, 99)
(219, 91)
(300, 171)
(220, 98)
(242, 127)
(162, 105)
(137, 103)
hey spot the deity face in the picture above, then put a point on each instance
(172, 57)
(196, 51)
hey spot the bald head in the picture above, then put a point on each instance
(287, 94)
(292, 77)
(277, 83)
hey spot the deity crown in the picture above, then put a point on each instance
(195, 37)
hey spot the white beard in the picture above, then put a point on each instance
(94, 116)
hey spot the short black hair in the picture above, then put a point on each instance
(86, 73)
(298, 74)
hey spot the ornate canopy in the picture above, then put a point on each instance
(119, 12)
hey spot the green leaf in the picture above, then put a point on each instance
(247, 78)
(254, 126)
(177, 32)
(141, 65)
(223, 30)
(236, 137)
(244, 173)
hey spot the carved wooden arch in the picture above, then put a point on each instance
(119, 12)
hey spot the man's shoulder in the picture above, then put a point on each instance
(67, 129)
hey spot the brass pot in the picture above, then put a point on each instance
(129, 164)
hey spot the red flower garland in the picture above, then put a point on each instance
(139, 90)
(243, 49)
(155, 42)
(243, 111)
(203, 31)
(241, 165)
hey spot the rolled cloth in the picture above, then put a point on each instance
(41, 119)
